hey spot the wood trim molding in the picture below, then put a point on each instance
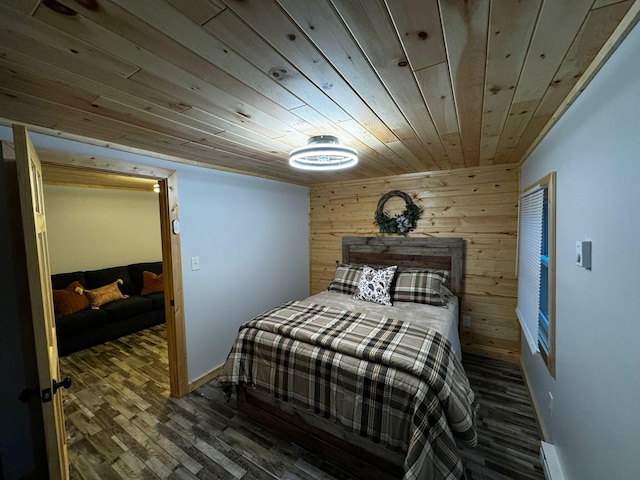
(93, 163)
(171, 253)
(174, 303)
(207, 377)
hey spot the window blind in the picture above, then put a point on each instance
(530, 218)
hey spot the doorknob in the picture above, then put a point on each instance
(28, 393)
(66, 383)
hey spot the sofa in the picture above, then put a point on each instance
(91, 326)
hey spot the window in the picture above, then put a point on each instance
(536, 268)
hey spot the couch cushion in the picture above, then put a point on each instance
(135, 272)
(68, 300)
(106, 294)
(105, 276)
(133, 324)
(157, 299)
(121, 309)
(61, 280)
(152, 283)
(79, 322)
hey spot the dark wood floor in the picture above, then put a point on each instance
(121, 423)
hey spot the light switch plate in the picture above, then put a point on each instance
(195, 263)
(579, 254)
(583, 254)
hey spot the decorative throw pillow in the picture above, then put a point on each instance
(152, 283)
(420, 286)
(67, 301)
(103, 295)
(346, 278)
(374, 285)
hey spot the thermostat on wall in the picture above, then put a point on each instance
(583, 254)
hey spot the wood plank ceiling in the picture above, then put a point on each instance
(56, 174)
(414, 85)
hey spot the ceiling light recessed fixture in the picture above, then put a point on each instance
(156, 187)
(323, 152)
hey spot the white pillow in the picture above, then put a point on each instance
(375, 285)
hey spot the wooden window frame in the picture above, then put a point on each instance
(549, 357)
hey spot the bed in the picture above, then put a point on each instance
(379, 389)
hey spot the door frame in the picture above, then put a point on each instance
(171, 253)
(33, 281)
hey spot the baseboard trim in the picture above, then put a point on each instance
(536, 408)
(207, 377)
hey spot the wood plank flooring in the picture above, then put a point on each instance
(121, 423)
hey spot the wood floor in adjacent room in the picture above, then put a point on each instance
(121, 423)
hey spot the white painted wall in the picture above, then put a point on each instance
(252, 238)
(595, 148)
(91, 228)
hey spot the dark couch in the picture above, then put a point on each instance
(121, 317)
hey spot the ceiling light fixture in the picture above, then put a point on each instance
(156, 188)
(323, 152)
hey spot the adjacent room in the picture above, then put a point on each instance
(300, 239)
(108, 228)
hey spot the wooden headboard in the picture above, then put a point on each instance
(437, 253)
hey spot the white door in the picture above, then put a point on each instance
(29, 172)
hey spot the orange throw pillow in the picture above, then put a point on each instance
(152, 283)
(67, 301)
(103, 295)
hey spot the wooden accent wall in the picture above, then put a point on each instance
(479, 204)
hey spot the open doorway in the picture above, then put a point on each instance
(91, 170)
(33, 291)
(114, 379)
(98, 234)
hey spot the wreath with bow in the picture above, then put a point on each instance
(402, 223)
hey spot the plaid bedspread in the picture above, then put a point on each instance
(388, 380)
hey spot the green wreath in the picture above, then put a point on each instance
(404, 222)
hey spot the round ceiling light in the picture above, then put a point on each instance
(323, 152)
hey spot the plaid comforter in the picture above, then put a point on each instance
(388, 380)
